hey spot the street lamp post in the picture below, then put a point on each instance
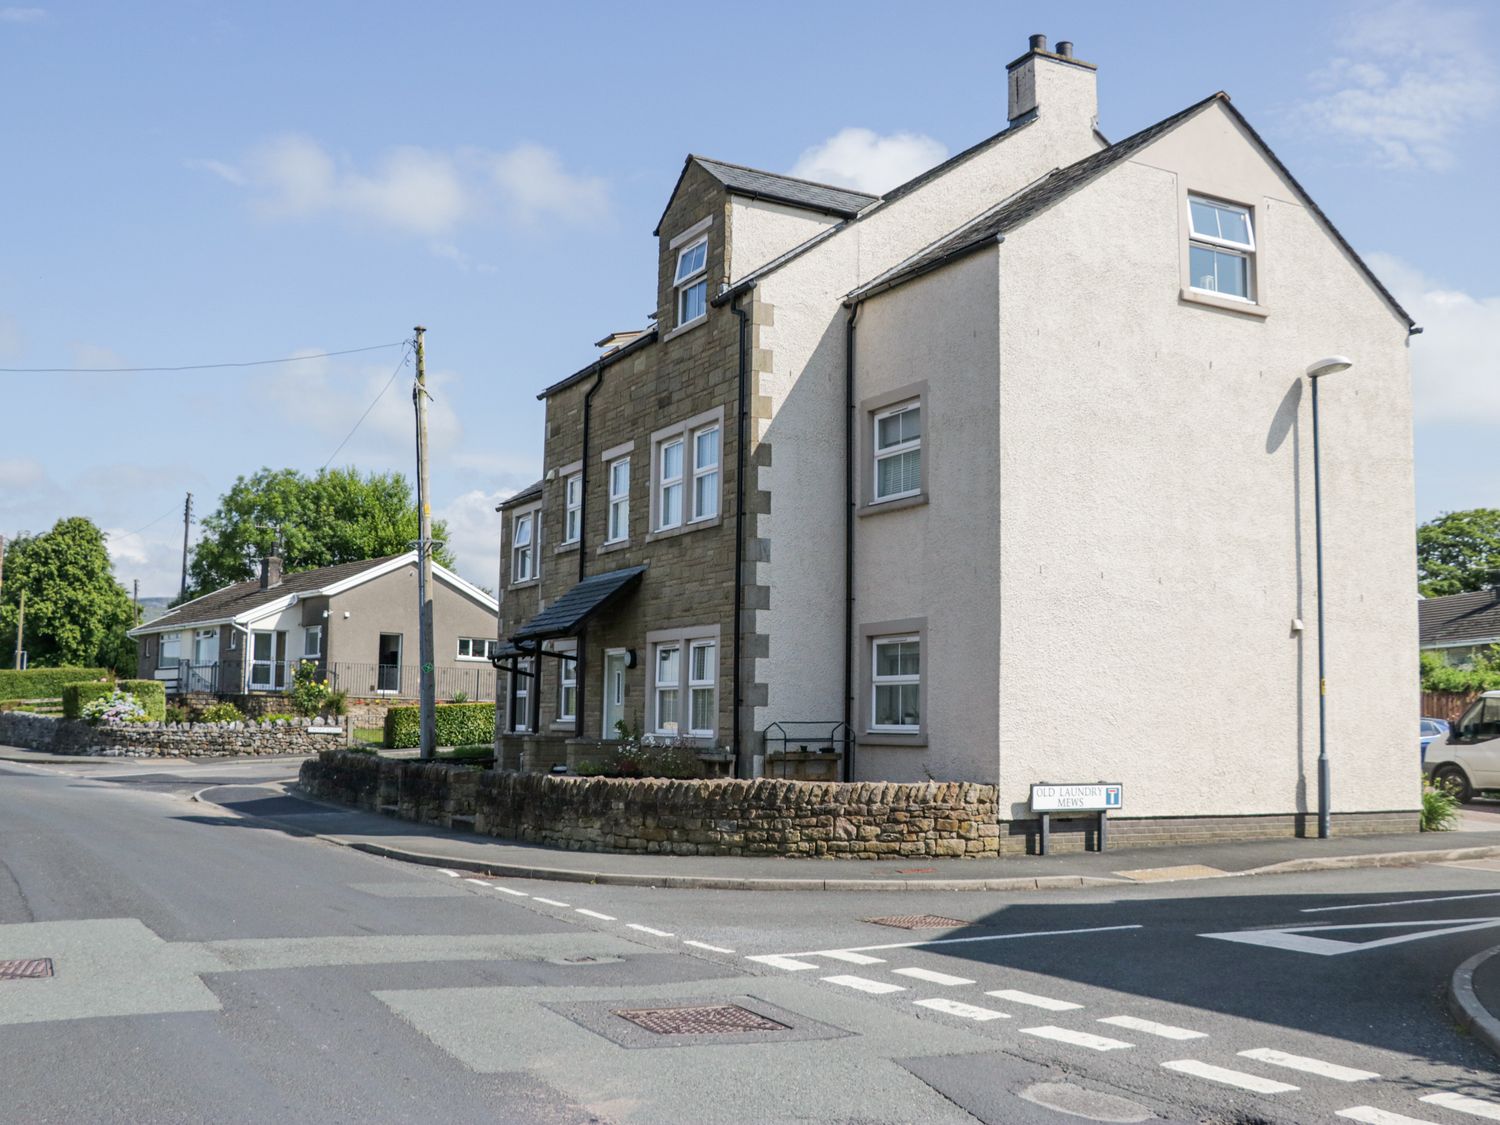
(1330, 366)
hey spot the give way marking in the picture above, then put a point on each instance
(1302, 939)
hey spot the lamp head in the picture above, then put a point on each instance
(1330, 366)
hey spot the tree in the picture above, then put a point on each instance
(76, 613)
(334, 517)
(1459, 552)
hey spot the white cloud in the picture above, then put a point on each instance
(474, 534)
(1412, 79)
(22, 15)
(1453, 360)
(411, 189)
(154, 558)
(866, 161)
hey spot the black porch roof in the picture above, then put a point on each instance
(564, 617)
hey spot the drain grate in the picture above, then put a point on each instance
(26, 970)
(710, 1019)
(919, 922)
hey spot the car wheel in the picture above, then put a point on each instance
(1453, 779)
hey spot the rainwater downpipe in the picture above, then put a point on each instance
(849, 509)
(741, 442)
(579, 677)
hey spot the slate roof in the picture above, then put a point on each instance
(983, 230)
(757, 184)
(234, 600)
(564, 617)
(1459, 618)
(530, 492)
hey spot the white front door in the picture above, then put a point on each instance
(614, 692)
(262, 661)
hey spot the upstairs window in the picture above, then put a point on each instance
(619, 501)
(706, 473)
(1221, 249)
(572, 508)
(669, 495)
(692, 281)
(898, 452)
(685, 479)
(522, 547)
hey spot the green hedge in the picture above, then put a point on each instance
(45, 683)
(150, 694)
(458, 724)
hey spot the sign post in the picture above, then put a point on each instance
(1098, 797)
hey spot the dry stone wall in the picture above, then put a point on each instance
(171, 740)
(719, 817)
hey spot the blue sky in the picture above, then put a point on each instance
(204, 182)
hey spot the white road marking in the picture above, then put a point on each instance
(548, 901)
(1398, 902)
(1076, 1038)
(508, 891)
(480, 882)
(777, 961)
(967, 1011)
(1151, 1027)
(1226, 1077)
(1019, 997)
(1372, 1116)
(705, 945)
(842, 954)
(445, 871)
(1462, 1103)
(1300, 939)
(594, 914)
(846, 955)
(932, 977)
(864, 984)
(649, 930)
(1311, 1066)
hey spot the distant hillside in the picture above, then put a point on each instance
(152, 608)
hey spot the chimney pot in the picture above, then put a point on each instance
(1065, 48)
(1038, 42)
(270, 571)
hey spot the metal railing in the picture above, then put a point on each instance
(477, 684)
(811, 736)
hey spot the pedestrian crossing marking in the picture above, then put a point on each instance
(864, 984)
(1311, 1066)
(1151, 1027)
(1223, 1076)
(958, 1008)
(1076, 1038)
(1032, 999)
(932, 977)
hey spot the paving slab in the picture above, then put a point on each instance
(284, 807)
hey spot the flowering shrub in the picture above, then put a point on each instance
(117, 707)
(312, 696)
(637, 755)
(221, 713)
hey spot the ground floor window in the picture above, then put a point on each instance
(684, 683)
(520, 720)
(896, 684)
(567, 690)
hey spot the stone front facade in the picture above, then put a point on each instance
(172, 740)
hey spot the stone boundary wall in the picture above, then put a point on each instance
(169, 740)
(719, 817)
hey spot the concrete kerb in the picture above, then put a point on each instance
(1465, 1004)
(729, 883)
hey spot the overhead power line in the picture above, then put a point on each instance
(400, 363)
(192, 366)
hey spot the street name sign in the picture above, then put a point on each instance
(1100, 797)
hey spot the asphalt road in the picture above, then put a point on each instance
(210, 968)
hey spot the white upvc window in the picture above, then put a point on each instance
(312, 642)
(667, 683)
(169, 651)
(898, 452)
(521, 716)
(706, 472)
(572, 508)
(619, 501)
(702, 674)
(896, 684)
(692, 281)
(1221, 248)
(567, 690)
(669, 484)
(477, 648)
(523, 544)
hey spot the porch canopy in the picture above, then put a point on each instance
(566, 616)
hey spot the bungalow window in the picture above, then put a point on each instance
(312, 642)
(619, 501)
(170, 651)
(692, 281)
(1221, 248)
(898, 452)
(572, 508)
(896, 684)
(477, 648)
(523, 558)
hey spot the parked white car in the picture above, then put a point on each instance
(1468, 760)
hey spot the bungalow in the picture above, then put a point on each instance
(1459, 626)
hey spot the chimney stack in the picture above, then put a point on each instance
(270, 571)
(1056, 87)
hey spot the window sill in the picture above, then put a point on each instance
(875, 507)
(688, 327)
(892, 738)
(695, 525)
(527, 583)
(564, 726)
(472, 659)
(618, 545)
(1228, 304)
(564, 548)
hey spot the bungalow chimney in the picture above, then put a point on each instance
(270, 571)
(1054, 86)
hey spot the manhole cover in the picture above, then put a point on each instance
(26, 970)
(919, 922)
(711, 1019)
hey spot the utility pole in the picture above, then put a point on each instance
(20, 628)
(135, 600)
(2, 564)
(187, 519)
(428, 681)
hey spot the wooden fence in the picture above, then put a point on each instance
(1446, 704)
